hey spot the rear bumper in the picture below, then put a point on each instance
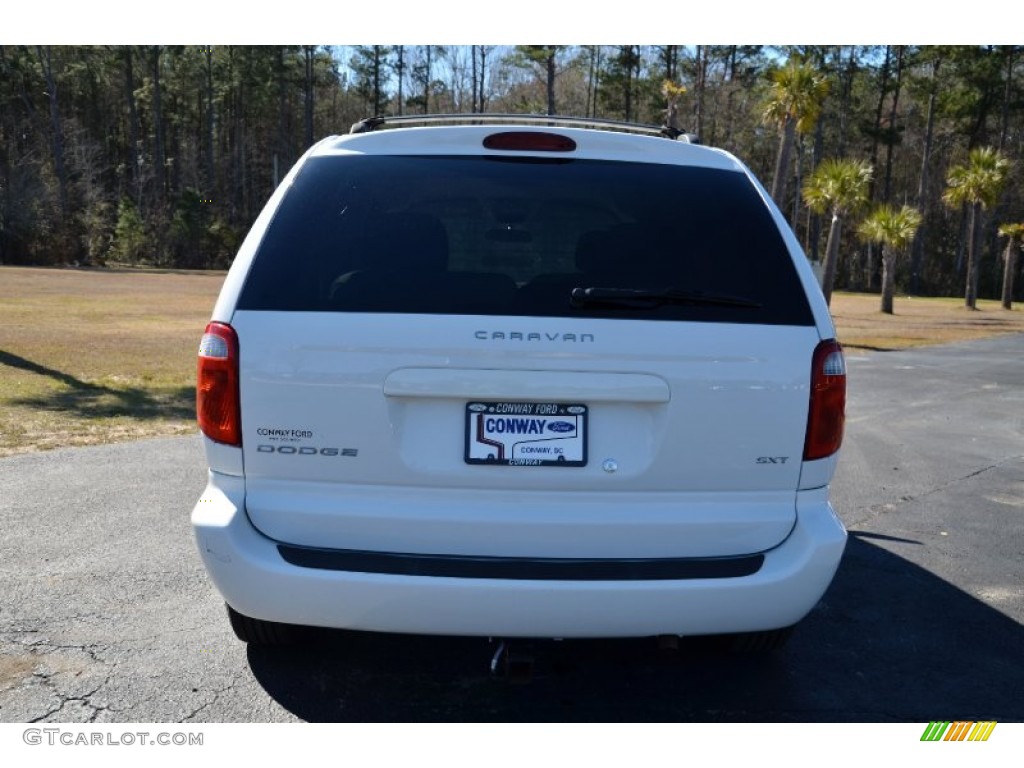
(250, 572)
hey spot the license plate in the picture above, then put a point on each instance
(526, 434)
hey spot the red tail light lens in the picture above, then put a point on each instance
(217, 397)
(530, 141)
(827, 413)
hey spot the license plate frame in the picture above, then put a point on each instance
(526, 434)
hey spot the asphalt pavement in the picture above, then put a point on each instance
(106, 614)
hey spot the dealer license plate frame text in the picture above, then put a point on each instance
(526, 434)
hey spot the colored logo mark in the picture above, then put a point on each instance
(959, 730)
(561, 426)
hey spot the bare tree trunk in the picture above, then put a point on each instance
(891, 143)
(281, 155)
(483, 78)
(56, 128)
(426, 81)
(730, 97)
(828, 276)
(378, 108)
(638, 66)
(888, 278)
(882, 92)
(308, 56)
(1009, 271)
(786, 139)
(472, 55)
(629, 84)
(845, 75)
(6, 202)
(211, 173)
(917, 250)
(699, 86)
(592, 76)
(971, 294)
(816, 153)
(730, 117)
(174, 155)
(134, 172)
(550, 68)
(236, 140)
(799, 178)
(1010, 50)
(669, 56)
(400, 71)
(159, 148)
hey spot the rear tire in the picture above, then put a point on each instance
(260, 632)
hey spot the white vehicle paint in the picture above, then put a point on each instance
(342, 489)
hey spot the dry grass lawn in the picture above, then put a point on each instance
(917, 322)
(95, 356)
(92, 357)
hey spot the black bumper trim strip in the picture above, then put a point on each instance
(522, 568)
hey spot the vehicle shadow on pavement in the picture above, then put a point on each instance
(889, 642)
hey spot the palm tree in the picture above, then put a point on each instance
(1015, 235)
(976, 183)
(840, 187)
(794, 102)
(894, 229)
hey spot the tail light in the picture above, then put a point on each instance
(827, 413)
(217, 397)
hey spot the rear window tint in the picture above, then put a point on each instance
(501, 236)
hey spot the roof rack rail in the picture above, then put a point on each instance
(373, 123)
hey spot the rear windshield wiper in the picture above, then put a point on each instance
(640, 298)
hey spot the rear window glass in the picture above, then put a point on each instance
(501, 236)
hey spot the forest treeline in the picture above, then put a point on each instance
(164, 155)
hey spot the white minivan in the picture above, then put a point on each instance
(524, 377)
